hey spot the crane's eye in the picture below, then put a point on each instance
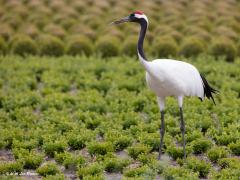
(132, 15)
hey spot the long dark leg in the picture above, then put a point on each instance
(161, 131)
(182, 127)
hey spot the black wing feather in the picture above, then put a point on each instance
(208, 90)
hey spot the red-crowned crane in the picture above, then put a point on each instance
(166, 77)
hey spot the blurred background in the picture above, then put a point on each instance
(177, 28)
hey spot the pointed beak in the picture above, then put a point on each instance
(125, 19)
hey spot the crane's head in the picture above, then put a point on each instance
(136, 16)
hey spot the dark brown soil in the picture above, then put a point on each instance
(6, 155)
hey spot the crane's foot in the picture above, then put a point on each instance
(159, 156)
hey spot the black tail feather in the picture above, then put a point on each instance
(208, 90)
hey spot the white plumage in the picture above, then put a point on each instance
(167, 77)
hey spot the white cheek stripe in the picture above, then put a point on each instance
(139, 16)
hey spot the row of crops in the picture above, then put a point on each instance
(57, 117)
(73, 27)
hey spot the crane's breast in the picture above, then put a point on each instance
(163, 87)
(174, 78)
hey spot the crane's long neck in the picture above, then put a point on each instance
(142, 34)
(141, 54)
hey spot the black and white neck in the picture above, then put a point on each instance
(144, 24)
(143, 21)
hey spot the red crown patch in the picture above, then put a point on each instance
(138, 12)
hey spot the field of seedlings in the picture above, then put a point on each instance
(92, 118)
(73, 99)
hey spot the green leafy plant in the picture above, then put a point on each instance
(232, 163)
(92, 123)
(92, 169)
(79, 45)
(199, 166)
(201, 145)
(50, 46)
(226, 139)
(48, 169)
(164, 47)
(204, 124)
(136, 149)
(78, 141)
(151, 140)
(151, 161)
(127, 123)
(115, 164)
(216, 153)
(107, 46)
(51, 147)
(60, 157)
(235, 148)
(32, 160)
(99, 148)
(226, 174)
(11, 167)
(69, 160)
(223, 47)
(179, 173)
(191, 47)
(29, 145)
(122, 142)
(73, 161)
(177, 152)
(191, 136)
(23, 45)
(143, 171)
